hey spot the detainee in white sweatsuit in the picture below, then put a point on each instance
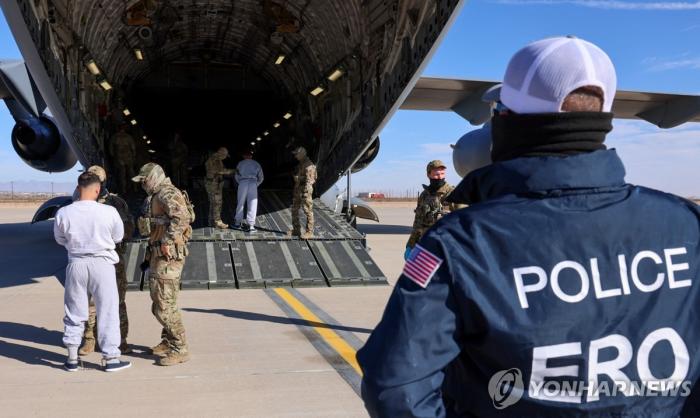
(249, 176)
(90, 231)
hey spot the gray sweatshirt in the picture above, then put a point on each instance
(89, 229)
(249, 170)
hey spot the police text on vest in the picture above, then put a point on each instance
(532, 279)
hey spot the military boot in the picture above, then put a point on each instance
(161, 349)
(87, 347)
(173, 358)
(309, 230)
(293, 233)
(219, 224)
(125, 348)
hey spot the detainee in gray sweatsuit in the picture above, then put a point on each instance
(90, 231)
(249, 175)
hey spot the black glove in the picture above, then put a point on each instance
(144, 266)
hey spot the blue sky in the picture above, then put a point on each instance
(654, 45)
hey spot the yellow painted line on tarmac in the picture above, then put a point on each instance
(334, 340)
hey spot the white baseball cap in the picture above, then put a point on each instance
(543, 73)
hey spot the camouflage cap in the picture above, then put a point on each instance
(222, 152)
(145, 171)
(435, 164)
(98, 171)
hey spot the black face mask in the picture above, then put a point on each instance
(436, 184)
(548, 134)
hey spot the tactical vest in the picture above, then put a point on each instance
(435, 206)
(157, 222)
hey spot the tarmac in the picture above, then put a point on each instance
(254, 353)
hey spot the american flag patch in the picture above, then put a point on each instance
(421, 265)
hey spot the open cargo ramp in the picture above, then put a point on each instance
(335, 256)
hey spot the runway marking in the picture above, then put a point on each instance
(331, 344)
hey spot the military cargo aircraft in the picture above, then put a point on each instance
(262, 74)
(270, 75)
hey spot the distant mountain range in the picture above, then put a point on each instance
(31, 186)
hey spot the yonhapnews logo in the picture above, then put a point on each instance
(506, 388)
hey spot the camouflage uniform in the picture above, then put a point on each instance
(169, 224)
(123, 151)
(214, 186)
(431, 207)
(120, 205)
(304, 180)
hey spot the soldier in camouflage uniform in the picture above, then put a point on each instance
(167, 224)
(431, 203)
(123, 152)
(122, 208)
(214, 185)
(304, 180)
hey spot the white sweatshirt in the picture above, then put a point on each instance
(89, 229)
(249, 170)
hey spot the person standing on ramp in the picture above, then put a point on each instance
(304, 180)
(249, 176)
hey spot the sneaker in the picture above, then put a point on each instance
(87, 347)
(237, 225)
(115, 367)
(161, 349)
(251, 229)
(70, 366)
(173, 358)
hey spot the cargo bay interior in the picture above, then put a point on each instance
(338, 67)
(241, 73)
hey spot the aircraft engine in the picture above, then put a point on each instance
(472, 151)
(38, 143)
(367, 157)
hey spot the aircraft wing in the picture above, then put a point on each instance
(464, 98)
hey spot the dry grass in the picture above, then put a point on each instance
(20, 203)
(392, 204)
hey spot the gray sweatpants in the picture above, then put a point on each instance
(248, 195)
(92, 276)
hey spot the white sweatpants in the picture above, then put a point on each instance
(248, 194)
(92, 276)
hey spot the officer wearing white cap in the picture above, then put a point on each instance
(561, 290)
